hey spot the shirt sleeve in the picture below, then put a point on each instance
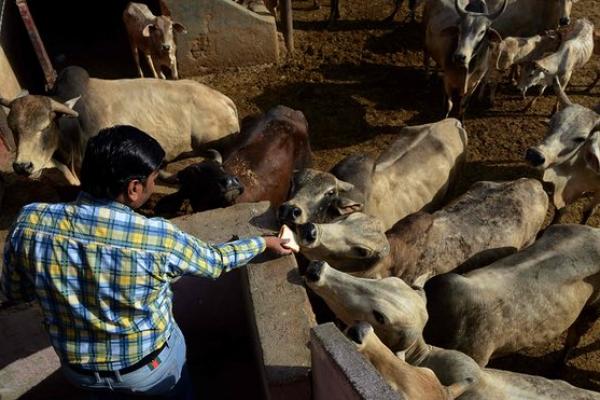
(14, 282)
(190, 255)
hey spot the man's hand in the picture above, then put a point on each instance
(277, 246)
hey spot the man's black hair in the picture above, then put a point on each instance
(117, 156)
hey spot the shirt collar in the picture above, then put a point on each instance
(86, 198)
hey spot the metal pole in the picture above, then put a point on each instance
(287, 25)
(38, 45)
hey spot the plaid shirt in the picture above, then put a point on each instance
(101, 273)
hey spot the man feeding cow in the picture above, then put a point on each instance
(102, 273)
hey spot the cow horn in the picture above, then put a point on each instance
(562, 96)
(215, 155)
(61, 108)
(5, 102)
(461, 13)
(499, 11)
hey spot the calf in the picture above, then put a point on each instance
(574, 52)
(397, 314)
(152, 35)
(410, 382)
(513, 51)
(414, 173)
(488, 222)
(259, 168)
(183, 116)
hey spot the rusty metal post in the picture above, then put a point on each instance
(38, 45)
(287, 24)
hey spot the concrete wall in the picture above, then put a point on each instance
(221, 33)
(340, 372)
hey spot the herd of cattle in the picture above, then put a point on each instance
(439, 291)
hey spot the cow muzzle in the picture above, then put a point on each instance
(535, 157)
(358, 332)
(460, 59)
(308, 233)
(25, 169)
(564, 21)
(289, 213)
(314, 271)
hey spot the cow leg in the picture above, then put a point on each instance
(334, 13)
(594, 83)
(151, 64)
(580, 327)
(397, 5)
(426, 64)
(136, 57)
(535, 99)
(174, 72)
(590, 209)
(558, 213)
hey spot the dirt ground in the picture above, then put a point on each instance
(358, 84)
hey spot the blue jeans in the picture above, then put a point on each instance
(169, 380)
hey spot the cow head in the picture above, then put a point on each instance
(396, 311)
(568, 130)
(474, 28)
(208, 185)
(353, 243)
(533, 74)
(317, 196)
(162, 40)
(565, 7)
(34, 122)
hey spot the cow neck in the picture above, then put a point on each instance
(417, 352)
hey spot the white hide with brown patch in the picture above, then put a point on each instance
(152, 35)
(398, 314)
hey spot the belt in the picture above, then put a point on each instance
(150, 358)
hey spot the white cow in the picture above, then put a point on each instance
(575, 51)
(181, 115)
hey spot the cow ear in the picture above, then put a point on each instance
(539, 67)
(179, 28)
(592, 153)
(5, 102)
(344, 186)
(147, 29)
(494, 36)
(71, 103)
(450, 31)
(345, 205)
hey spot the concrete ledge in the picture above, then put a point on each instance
(339, 371)
(222, 33)
(279, 312)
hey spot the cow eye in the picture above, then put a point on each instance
(379, 317)
(330, 193)
(362, 252)
(579, 140)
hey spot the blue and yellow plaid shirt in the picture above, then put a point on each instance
(102, 275)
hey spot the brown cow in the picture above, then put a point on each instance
(153, 36)
(412, 382)
(259, 168)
